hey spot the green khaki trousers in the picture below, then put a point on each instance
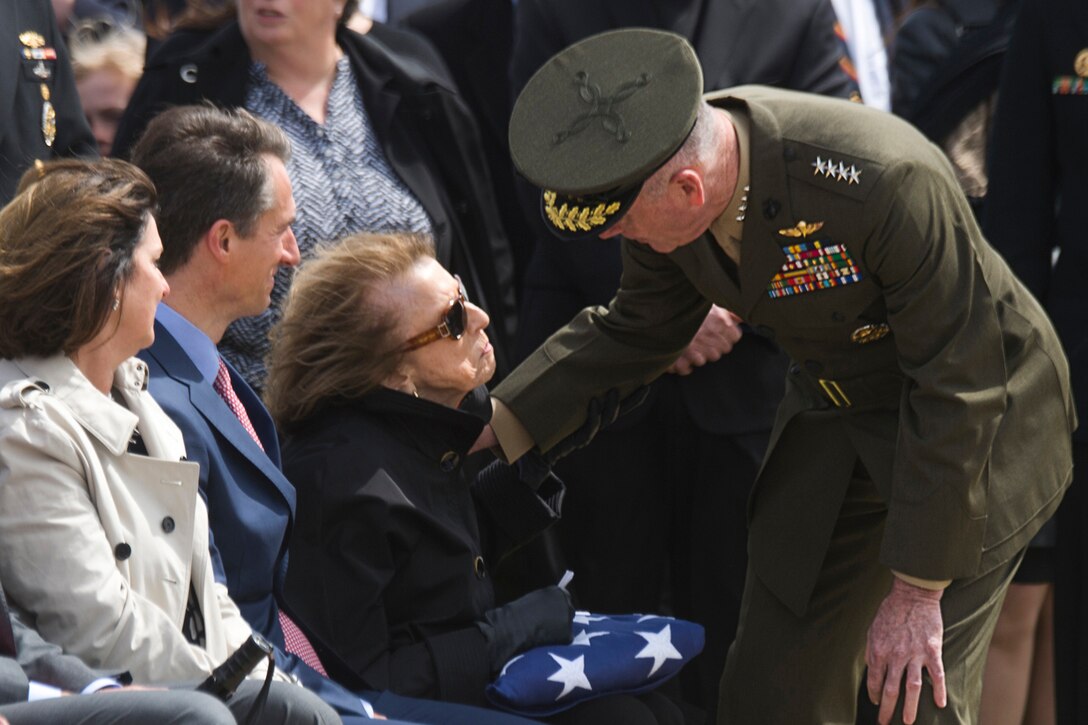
(789, 670)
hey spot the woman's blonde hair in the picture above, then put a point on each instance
(335, 341)
(95, 46)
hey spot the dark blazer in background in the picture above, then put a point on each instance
(21, 138)
(1038, 195)
(426, 131)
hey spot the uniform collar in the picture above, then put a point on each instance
(731, 221)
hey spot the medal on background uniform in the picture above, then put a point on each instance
(1073, 85)
(1080, 63)
(34, 49)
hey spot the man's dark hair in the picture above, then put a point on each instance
(207, 164)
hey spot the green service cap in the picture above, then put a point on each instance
(598, 119)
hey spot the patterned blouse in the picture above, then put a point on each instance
(342, 184)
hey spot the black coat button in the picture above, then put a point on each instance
(814, 367)
(449, 461)
(770, 208)
(479, 567)
(789, 154)
(122, 551)
(168, 524)
(795, 369)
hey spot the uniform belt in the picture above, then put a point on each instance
(856, 392)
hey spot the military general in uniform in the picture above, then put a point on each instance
(924, 435)
(42, 118)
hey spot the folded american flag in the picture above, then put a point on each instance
(609, 654)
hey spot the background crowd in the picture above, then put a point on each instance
(345, 156)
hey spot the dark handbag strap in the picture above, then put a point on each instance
(262, 696)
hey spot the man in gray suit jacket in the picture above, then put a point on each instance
(41, 684)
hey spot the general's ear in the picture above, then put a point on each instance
(688, 184)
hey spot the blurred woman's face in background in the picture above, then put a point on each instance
(278, 23)
(104, 94)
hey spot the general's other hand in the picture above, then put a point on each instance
(486, 439)
(717, 335)
(905, 636)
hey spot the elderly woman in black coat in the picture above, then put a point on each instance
(371, 367)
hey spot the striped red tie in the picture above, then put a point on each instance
(296, 642)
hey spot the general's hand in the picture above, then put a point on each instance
(487, 439)
(717, 335)
(905, 636)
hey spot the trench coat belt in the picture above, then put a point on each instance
(861, 391)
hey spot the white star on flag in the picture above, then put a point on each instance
(571, 674)
(585, 618)
(659, 647)
(584, 638)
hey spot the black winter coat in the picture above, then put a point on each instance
(394, 541)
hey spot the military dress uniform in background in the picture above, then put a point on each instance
(926, 423)
(42, 117)
(1038, 195)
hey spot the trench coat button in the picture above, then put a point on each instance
(814, 367)
(122, 551)
(795, 369)
(770, 208)
(449, 461)
(479, 567)
(188, 73)
(764, 331)
(168, 524)
(837, 316)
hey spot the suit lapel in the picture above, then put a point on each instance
(207, 402)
